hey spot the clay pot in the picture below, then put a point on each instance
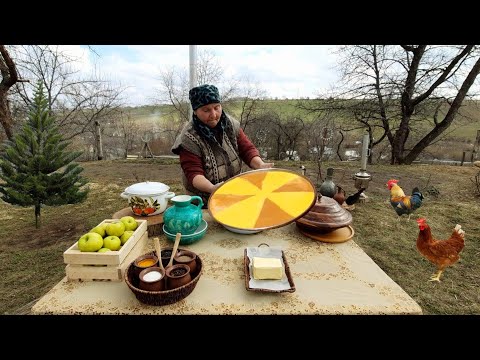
(340, 195)
(188, 258)
(177, 275)
(152, 279)
(325, 215)
(166, 253)
(144, 262)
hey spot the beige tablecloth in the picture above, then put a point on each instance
(329, 279)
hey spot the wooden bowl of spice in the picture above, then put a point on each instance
(163, 297)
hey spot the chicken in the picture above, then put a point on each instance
(352, 199)
(442, 253)
(404, 204)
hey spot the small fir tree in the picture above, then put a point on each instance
(35, 166)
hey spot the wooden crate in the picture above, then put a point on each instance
(109, 265)
(74, 256)
(107, 272)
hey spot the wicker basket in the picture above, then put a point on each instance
(164, 297)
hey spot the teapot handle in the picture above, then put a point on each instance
(200, 201)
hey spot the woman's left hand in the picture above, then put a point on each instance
(266, 166)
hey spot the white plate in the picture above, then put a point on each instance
(240, 231)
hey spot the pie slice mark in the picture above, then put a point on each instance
(256, 179)
(293, 203)
(296, 184)
(272, 215)
(243, 214)
(237, 186)
(276, 179)
(222, 201)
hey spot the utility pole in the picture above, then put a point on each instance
(193, 72)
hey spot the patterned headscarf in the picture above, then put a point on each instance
(203, 95)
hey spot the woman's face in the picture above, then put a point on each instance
(209, 114)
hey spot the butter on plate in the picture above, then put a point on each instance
(267, 268)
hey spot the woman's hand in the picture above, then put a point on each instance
(266, 165)
(258, 163)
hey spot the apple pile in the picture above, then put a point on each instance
(108, 236)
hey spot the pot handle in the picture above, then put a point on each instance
(200, 201)
(123, 195)
(169, 195)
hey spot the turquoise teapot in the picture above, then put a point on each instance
(183, 217)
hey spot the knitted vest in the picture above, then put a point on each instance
(220, 163)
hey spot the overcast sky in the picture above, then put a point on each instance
(283, 71)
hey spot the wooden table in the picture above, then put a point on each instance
(329, 279)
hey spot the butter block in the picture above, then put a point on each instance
(267, 268)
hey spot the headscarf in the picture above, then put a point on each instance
(203, 95)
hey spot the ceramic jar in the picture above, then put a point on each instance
(152, 279)
(177, 275)
(183, 217)
(147, 198)
(188, 258)
(328, 187)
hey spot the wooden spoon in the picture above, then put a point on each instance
(158, 249)
(175, 247)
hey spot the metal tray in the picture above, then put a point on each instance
(267, 290)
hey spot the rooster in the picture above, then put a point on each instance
(442, 253)
(404, 204)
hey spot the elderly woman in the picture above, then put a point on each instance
(212, 146)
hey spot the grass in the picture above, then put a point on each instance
(32, 259)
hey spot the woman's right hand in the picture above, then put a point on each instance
(216, 186)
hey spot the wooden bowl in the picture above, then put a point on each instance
(164, 297)
(325, 215)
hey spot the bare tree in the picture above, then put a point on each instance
(412, 92)
(250, 101)
(129, 130)
(77, 102)
(174, 87)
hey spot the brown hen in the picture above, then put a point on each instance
(442, 253)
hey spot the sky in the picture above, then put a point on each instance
(283, 71)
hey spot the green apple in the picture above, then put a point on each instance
(112, 242)
(115, 228)
(90, 242)
(126, 235)
(100, 229)
(103, 249)
(129, 222)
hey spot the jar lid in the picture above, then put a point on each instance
(326, 214)
(147, 188)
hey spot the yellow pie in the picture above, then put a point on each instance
(262, 199)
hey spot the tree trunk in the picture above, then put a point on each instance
(447, 121)
(38, 221)
(98, 141)
(5, 114)
(9, 78)
(339, 144)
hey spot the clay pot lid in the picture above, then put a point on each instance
(325, 214)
